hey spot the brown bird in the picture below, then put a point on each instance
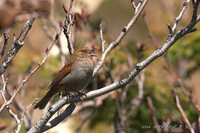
(74, 76)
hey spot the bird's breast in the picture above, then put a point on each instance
(79, 77)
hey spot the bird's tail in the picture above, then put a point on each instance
(43, 102)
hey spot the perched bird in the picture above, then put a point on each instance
(74, 76)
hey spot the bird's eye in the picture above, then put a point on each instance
(84, 51)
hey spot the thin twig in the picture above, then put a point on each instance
(184, 117)
(32, 72)
(5, 44)
(120, 37)
(68, 27)
(18, 106)
(19, 125)
(198, 111)
(133, 4)
(46, 28)
(101, 26)
(153, 114)
(12, 114)
(137, 101)
(17, 44)
(177, 19)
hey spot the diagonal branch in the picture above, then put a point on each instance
(120, 37)
(68, 111)
(5, 44)
(32, 72)
(17, 44)
(184, 117)
(177, 19)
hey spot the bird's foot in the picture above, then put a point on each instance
(68, 95)
(82, 95)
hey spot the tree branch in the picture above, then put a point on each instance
(68, 111)
(5, 44)
(68, 24)
(101, 26)
(184, 117)
(153, 114)
(121, 36)
(17, 44)
(177, 19)
(32, 72)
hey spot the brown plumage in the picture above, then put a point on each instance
(74, 76)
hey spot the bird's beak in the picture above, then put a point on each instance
(93, 55)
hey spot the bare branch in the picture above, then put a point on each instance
(17, 44)
(5, 44)
(170, 30)
(68, 27)
(12, 114)
(133, 4)
(118, 124)
(32, 72)
(184, 117)
(137, 101)
(46, 28)
(120, 37)
(153, 114)
(177, 19)
(131, 66)
(18, 106)
(101, 26)
(198, 110)
(19, 125)
(68, 111)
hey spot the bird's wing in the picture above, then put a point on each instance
(62, 73)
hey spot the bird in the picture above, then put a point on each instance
(73, 77)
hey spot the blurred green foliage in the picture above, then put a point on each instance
(104, 114)
(188, 49)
